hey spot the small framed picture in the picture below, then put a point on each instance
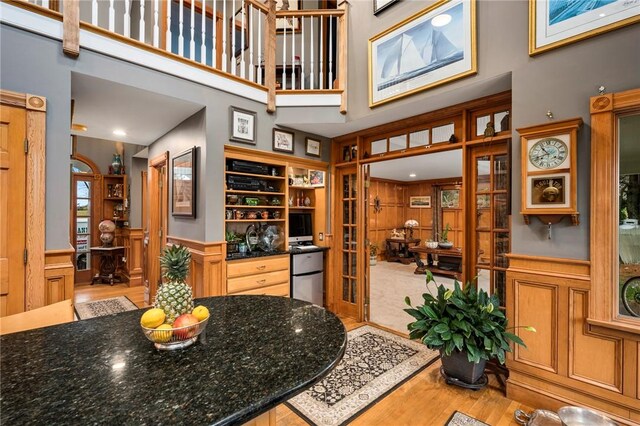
(450, 198)
(380, 5)
(313, 147)
(243, 126)
(316, 178)
(420, 202)
(183, 194)
(282, 141)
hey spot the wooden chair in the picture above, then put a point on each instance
(56, 313)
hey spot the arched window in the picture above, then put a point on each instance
(79, 166)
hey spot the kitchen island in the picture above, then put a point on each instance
(257, 352)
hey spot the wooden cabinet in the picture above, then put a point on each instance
(114, 198)
(265, 275)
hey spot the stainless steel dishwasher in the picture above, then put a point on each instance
(307, 277)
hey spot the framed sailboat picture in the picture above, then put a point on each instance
(435, 46)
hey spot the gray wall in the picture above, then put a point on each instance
(561, 80)
(191, 132)
(47, 72)
(138, 165)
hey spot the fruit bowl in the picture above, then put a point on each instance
(175, 338)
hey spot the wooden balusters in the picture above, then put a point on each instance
(203, 28)
(167, 41)
(260, 54)
(126, 20)
(242, 40)
(141, 33)
(251, 25)
(94, 12)
(192, 32)
(224, 36)
(156, 28)
(284, 57)
(313, 58)
(180, 29)
(112, 16)
(293, 55)
(302, 85)
(321, 69)
(214, 55)
(330, 37)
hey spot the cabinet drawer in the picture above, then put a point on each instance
(274, 290)
(248, 282)
(257, 266)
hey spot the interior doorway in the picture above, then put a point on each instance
(158, 217)
(413, 203)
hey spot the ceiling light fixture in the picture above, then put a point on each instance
(119, 132)
(441, 20)
(79, 127)
(602, 15)
(412, 175)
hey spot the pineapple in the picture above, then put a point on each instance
(174, 297)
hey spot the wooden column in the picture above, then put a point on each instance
(270, 56)
(71, 27)
(343, 22)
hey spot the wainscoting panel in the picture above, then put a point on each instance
(58, 275)
(569, 361)
(208, 266)
(537, 306)
(134, 251)
(586, 347)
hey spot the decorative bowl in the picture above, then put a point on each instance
(175, 338)
(431, 244)
(446, 245)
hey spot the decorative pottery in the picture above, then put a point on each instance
(307, 202)
(252, 215)
(265, 214)
(431, 244)
(107, 229)
(116, 164)
(446, 245)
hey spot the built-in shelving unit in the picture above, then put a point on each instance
(114, 198)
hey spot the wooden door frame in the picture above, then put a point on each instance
(35, 209)
(157, 188)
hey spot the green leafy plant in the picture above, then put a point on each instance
(444, 236)
(462, 320)
(373, 249)
(232, 237)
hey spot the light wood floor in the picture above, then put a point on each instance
(424, 400)
(88, 293)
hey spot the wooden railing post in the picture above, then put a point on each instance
(342, 56)
(71, 27)
(270, 56)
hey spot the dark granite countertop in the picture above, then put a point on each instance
(254, 254)
(258, 351)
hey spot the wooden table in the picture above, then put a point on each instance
(398, 249)
(449, 261)
(108, 264)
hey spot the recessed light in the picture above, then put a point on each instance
(412, 175)
(79, 127)
(441, 20)
(119, 132)
(602, 15)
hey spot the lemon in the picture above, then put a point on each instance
(162, 333)
(200, 312)
(152, 318)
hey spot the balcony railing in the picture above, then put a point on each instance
(284, 52)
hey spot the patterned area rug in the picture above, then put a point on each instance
(461, 419)
(104, 307)
(374, 364)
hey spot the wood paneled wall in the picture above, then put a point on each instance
(133, 239)
(58, 275)
(567, 362)
(208, 276)
(395, 202)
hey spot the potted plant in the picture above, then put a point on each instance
(232, 239)
(444, 242)
(465, 325)
(373, 253)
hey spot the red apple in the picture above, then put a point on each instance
(185, 320)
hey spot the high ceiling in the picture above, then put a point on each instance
(438, 165)
(104, 106)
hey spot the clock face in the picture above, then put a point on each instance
(548, 153)
(548, 190)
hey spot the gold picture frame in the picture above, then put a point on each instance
(565, 23)
(429, 61)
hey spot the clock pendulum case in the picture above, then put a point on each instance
(549, 171)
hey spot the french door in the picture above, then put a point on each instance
(82, 225)
(490, 200)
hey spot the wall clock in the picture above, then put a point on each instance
(549, 171)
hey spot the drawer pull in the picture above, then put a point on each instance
(261, 281)
(261, 267)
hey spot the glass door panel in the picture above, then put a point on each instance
(82, 223)
(347, 219)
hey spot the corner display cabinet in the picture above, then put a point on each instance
(549, 171)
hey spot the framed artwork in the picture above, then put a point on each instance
(557, 23)
(316, 178)
(243, 125)
(450, 198)
(313, 147)
(420, 202)
(235, 24)
(290, 23)
(183, 194)
(433, 47)
(282, 141)
(380, 5)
